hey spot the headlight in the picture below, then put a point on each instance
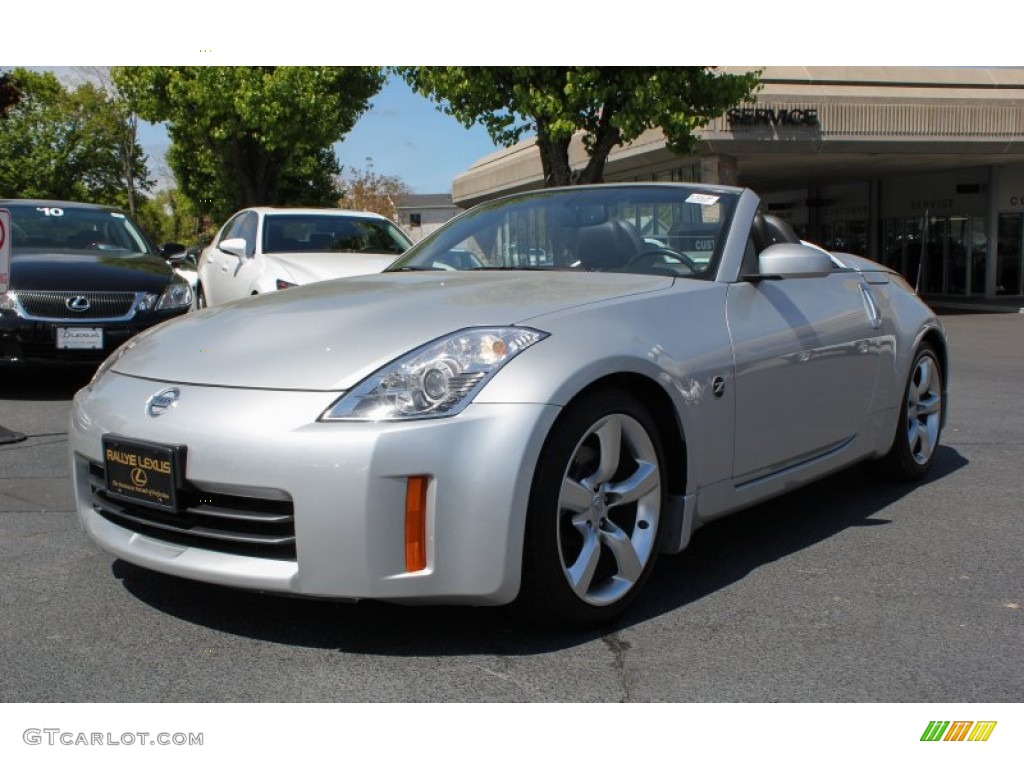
(438, 379)
(7, 302)
(175, 295)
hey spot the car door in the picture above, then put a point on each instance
(231, 276)
(216, 270)
(807, 352)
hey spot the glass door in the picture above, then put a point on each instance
(957, 274)
(978, 254)
(1008, 261)
(948, 255)
(934, 272)
(901, 246)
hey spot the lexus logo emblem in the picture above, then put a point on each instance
(162, 401)
(78, 303)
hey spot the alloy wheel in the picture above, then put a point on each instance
(924, 409)
(609, 509)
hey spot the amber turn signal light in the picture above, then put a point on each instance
(416, 523)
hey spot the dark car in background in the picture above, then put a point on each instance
(83, 279)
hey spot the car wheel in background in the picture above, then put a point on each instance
(594, 520)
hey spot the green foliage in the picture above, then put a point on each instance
(244, 136)
(66, 144)
(610, 105)
(10, 93)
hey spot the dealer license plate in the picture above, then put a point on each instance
(79, 338)
(143, 472)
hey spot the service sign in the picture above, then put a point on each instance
(5, 249)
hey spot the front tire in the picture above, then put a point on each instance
(595, 517)
(200, 297)
(917, 434)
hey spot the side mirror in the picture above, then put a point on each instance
(235, 246)
(167, 250)
(789, 260)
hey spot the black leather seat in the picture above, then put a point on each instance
(608, 245)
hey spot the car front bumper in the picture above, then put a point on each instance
(343, 483)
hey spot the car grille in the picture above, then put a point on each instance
(235, 524)
(45, 305)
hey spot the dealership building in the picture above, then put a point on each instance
(921, 168)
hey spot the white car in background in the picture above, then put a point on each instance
(260, 250)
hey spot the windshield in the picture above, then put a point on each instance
(55, 228)
(667, 229)
(331, 233)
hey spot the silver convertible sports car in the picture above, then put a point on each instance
(529, 406)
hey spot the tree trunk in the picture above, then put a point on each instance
(554, 155)
(607, 138)
(554, 159)
(256, 173)
(129, 138)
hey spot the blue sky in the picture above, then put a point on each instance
(404, 134)
(408, 137)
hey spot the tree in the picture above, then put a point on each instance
(244, 136)
(10, 93)
(610, 105)
(63, 144)
(168, 217)
(367, 190)
(122, 124)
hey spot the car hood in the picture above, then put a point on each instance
(302, 268)
(88, 271)
(329, 336)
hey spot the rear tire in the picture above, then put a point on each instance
(593, 526)
(920, 425)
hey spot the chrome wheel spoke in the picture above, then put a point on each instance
(620, 545)
(609, 436)
(581, 572)
(913, 433)
(925, 444)
(929, 406)
(927, 373)
(574, 496)
(643, 481)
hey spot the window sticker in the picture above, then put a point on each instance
(700, 199)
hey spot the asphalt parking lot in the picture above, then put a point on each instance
(849, 590)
